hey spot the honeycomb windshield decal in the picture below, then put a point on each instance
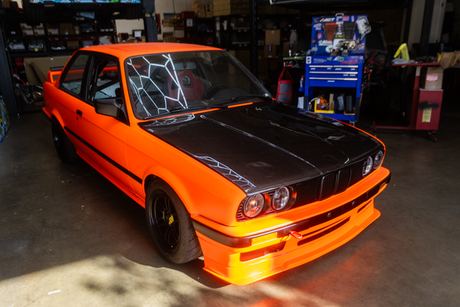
(161, 84)
(149, 85)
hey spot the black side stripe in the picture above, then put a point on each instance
(121, 168)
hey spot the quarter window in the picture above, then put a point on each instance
(105, 82)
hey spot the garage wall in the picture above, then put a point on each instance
(127, 26)
(418, 9)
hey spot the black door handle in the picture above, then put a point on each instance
(79, 112)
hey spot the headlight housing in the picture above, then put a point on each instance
(280, 199)
(266, 203)
(368, 166)
(372, 163)
(378, 158)
(253, 205)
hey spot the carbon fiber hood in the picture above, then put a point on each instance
(265, 145)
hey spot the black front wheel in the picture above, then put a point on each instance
(170, 224)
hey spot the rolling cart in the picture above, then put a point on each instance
(334, 70)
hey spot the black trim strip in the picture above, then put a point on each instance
(46, 115)
(322, 234)
(121, 168)
(240, 242)
(262, 252)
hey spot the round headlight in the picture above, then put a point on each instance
(253, 205)
(367, 167)
(280, 198)
(378, 159)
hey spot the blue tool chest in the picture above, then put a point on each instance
(336, 75)
(334, 70)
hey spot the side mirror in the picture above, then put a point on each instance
(112, 107)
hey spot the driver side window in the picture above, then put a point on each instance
(104, 80)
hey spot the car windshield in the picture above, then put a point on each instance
(173, 82)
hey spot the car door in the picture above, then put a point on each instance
(104, 136)
(72, 86)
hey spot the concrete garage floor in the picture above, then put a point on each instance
(68, 237)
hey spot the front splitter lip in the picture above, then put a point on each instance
(246, 241)
(303, 254)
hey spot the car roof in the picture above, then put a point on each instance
(123, 51)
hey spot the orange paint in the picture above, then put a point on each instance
(211, 199)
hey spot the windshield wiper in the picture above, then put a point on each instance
(239, 98)
(177, 109)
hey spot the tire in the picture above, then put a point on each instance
(65, 149)
(170, 224)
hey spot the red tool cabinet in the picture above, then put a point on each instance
(429, 109)
(426, 105)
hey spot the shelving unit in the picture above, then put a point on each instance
(52, 29)
(83, 32)
(195, 30)
(233, 31)
(184, 29)
(205, 31)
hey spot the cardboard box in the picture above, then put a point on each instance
(198, 2)
(66, 29)
(272, 37)
(73, 44)
(231, 7)
(204, 11)
(267, 9)
(39, 30)
(53, 29)
(25, 26)
(209, 10)
(179, 33)
(27, 30)
(289, 47)
(433, 79)
(270, 51)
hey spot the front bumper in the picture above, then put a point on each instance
(324, 226)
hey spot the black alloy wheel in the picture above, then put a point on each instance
(165, 222)
(170, 224)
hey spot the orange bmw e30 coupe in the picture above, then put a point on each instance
(223, 170)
